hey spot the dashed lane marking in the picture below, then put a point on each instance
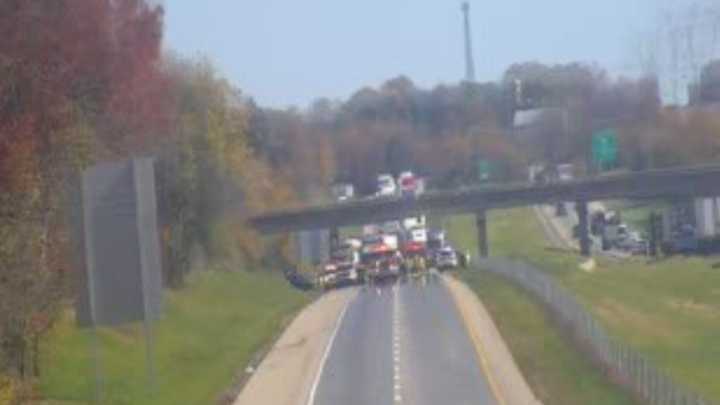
(397, 386)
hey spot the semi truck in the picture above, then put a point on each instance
(692, 226)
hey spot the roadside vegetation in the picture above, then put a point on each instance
(211, 330)
(556, 372)
(117, 96)
(667, 309)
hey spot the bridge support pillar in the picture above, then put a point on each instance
(334, 239)
(655, 229)
(560, 209)
(481, 223)
(583, 228)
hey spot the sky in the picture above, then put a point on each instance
(288, 53)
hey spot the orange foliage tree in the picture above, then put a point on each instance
(76, 79)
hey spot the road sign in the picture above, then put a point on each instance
(605, 148)
(484, 170)
(117, 230)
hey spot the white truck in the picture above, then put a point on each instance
(343, 191)
(414, 222)
(386, 185)
(419, 234)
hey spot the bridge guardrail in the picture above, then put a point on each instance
(621, 363)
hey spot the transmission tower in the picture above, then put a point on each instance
(469, 60)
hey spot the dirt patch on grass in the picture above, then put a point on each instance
(694, 307)
(616, 313)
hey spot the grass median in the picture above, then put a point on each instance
(209, 332)
(667, 310)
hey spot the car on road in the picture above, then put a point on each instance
(446, 258)
(338, 275)
(633, 243)
(435, 239)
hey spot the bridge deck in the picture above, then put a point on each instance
(701, 181)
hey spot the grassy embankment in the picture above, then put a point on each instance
(557, 373)
(209, 332)
(667, 310)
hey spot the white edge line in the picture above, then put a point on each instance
(326, 354)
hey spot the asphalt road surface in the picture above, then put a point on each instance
(402, 343)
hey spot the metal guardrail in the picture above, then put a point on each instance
(620, 362)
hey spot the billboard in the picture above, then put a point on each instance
(118, 238)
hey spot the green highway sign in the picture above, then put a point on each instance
(484, 170)
(605, 148)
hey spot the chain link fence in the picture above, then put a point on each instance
(621, 363)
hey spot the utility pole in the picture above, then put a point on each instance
(469, 60)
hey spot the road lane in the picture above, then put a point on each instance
(441, 362)
(403, 343)
(359, 370)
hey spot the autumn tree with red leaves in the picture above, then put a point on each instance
(79, 80)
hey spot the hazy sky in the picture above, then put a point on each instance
(290, 52)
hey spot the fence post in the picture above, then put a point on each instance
(481, 224)
(584, 236)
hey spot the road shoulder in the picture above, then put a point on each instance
(285, 376)
(504, 375)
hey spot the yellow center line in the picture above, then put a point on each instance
(479, 351)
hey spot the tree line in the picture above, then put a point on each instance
(87, 82)
(445, 132)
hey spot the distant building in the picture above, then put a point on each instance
(533, 123)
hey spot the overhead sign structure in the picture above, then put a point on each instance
(117, 230)
(605, 149)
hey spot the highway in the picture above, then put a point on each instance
(401, 343)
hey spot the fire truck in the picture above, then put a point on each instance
(381, 262)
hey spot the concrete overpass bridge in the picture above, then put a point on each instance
(687, 182)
